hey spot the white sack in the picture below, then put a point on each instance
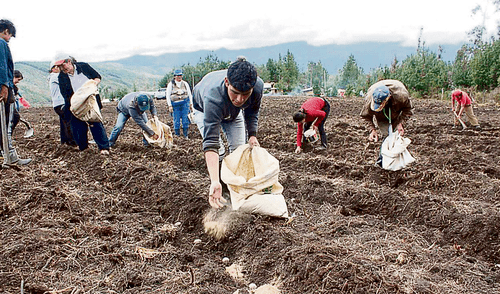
(165, 138)
(395, 156)
(84, 103)
(248, 173)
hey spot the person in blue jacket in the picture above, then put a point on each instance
(7, 31)
(218, 101)
(134, 105)
(72, 76)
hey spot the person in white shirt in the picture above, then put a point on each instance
(180, 102)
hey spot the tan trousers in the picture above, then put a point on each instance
(469, 113)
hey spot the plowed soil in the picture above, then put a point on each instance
(80, 222)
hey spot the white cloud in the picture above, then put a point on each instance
(103, 30)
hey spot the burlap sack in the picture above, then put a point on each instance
(84, 103)
(252, 179)
(165, 138)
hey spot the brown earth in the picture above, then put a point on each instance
(80, 222)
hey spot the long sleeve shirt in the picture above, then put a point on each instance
(169, 91)
(210, 96)
(314, 111)
(399, 105)
(6, 65)
(128, 106)
(83, 72)
(55, 92)
(462, 100)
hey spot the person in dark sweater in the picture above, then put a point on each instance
(72, 76)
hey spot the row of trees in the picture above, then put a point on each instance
(425, 74)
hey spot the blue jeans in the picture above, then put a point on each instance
(181, 111)
(80, 129)
(118, 128)
(235, 131)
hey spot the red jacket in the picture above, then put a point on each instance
(313, 109)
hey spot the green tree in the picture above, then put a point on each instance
(289, 73)
(351, 77)
(194, 74)
(423, 72)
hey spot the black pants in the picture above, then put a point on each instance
(321, 127)
(65, 126)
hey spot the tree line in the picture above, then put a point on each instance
(476, 67)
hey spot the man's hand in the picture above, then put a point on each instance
(400, 129)
(253, 142)
(298, 150)
(170, 109)
(373, 136)
(215, 195)
(4, 93)
(315, 128)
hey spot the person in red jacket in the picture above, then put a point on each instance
(463, 105)
(313, 112)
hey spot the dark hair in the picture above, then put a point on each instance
(7, 24)
(299, 116)
(18, 74)
(242, 74)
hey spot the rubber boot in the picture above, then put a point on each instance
(185, 132)
(13, 158)
(177, 132)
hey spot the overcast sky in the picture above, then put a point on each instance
(107, 30)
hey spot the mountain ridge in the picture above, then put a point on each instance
(143, 72)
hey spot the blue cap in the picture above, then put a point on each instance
(178, 72)
(142, 102)
(379, 96)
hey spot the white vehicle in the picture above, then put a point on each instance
(161, 93)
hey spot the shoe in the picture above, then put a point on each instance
(104, 152)
(23, 161)
(321, 148)
(477, 128)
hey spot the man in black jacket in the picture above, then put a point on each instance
(73, 75)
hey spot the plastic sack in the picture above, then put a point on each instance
(165, 138)
(84, 103)
(311, 136)
(395, 154)
(252, 179)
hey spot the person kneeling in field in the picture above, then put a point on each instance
(134, 105)
(464, 104)
(313, 113)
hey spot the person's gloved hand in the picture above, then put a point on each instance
(298, 150)
(215, 195)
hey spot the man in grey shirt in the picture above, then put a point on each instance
(218, 100)
(134, 105)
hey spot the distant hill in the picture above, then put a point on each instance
(143, 72)
(368, 55)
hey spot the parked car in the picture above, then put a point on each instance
(161, 93)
